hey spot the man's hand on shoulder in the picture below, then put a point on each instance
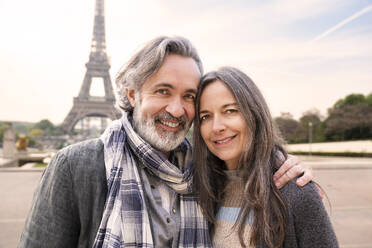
(291, 169)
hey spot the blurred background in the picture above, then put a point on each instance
(311, 59)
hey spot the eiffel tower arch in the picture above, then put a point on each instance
(85, 105)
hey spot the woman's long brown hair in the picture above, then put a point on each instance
(257, 164)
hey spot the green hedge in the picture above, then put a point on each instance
(40, 165)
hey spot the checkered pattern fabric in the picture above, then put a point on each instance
(125, 221)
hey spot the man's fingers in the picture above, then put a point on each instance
(306, 177)
(289, 163)
(292, 173)
(291, 169)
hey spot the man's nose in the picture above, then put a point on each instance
(176, 107)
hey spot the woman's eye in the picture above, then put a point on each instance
(204, 117)
(230, 111)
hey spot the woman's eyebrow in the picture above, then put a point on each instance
(229, 105)
(234, 104)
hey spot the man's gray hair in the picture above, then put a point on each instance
(147, 61)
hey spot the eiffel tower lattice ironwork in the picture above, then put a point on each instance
(98, 66)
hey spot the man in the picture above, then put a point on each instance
(131, 187)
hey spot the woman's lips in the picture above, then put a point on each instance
(224, 141)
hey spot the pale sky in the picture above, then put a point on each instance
(302, 54)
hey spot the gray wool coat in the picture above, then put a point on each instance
(68, 212)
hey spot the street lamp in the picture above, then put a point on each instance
(310, 136)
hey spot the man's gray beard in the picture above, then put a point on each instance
(146, 128)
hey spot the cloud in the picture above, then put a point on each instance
(288, 10)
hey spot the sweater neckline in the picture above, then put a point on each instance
(232, 174)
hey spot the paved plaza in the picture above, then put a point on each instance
(347, 182)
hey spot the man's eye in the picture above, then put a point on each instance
(162, 91)
(190, 97)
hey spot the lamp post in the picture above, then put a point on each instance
(310, 136)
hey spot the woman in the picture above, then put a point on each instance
(236, 153)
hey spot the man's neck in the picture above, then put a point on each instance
(166, 154)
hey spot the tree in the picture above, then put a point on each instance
(46, 126)
(369, 99)
(288, 127)
(36, 132)
(350, 118)
(314, 117)
(352, 99)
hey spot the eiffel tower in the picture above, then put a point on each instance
(98, 66)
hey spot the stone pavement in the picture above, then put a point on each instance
(347, 182)
(348, 185)
(16, 191)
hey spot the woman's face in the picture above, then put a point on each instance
(222, 125)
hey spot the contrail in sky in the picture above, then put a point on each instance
(342, 23)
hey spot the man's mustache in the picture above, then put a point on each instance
(168, 117)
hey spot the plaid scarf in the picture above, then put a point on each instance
(125, 221)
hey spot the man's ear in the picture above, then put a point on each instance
(131, 94)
